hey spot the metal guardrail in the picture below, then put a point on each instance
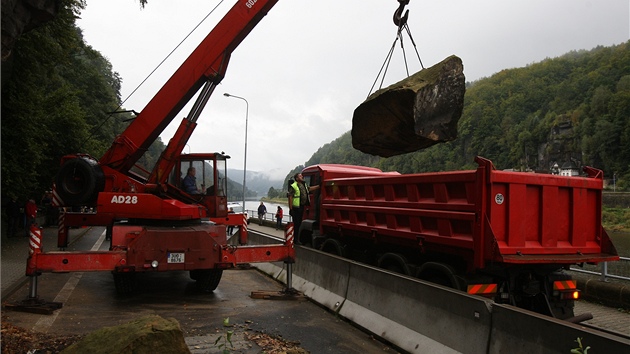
(270, 215)
(615, 270)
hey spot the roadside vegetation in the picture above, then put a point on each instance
(616, 219)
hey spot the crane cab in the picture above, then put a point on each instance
(210, 180)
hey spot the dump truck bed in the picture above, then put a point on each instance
(484, 215)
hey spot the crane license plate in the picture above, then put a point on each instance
(175, 258)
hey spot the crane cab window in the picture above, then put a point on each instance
(201, 176)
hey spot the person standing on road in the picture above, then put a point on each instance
(30, 209)
(230, 228)
(262, 210)
(298, 199)
(279, 215)
(46, 203)
(13, 217)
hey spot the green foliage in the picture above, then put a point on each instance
(227, 339)
(273, 193)
(571, 108)
(57, 99)
(616, 219)
(580, 349)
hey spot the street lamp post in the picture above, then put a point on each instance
(245, 157)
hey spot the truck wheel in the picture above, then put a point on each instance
(394, 262)
(79, 180)
(305, 238)
(333, 246)
(439, 273)
(125, 283)
(207, 279)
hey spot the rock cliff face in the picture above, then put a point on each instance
(21, 16)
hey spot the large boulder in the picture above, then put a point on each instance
(415, 113)
(150, 335)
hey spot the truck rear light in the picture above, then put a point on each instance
(570, 295)
(486, 290)
(566, 289)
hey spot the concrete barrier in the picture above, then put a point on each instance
(415, 316)
(421, 317)
(613, 294)
(517, 331)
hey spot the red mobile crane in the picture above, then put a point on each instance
(154, 225)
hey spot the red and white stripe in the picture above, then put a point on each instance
(288, 233)
(244, 223)
(56, 199)
(35, 239)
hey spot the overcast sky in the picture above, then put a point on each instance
(309, 64)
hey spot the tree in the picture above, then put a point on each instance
(273, 193)
(55, 102)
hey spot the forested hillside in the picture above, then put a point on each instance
(575, 108)
(58, 95)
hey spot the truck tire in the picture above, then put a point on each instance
(79, 180)
(207, 280)
(305, 238)
(440, 273)
(333, 246)
(394, 262)
(125, 283)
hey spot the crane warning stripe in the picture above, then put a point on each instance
(564, 285)
(56, 199)
(288, 232)
(477, 289)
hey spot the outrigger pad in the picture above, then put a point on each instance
(35, 305)
(286, 294)
(415, 113)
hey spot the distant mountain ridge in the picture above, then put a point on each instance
(573, 108)
(258, 182)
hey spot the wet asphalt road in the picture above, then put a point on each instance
(90, 302)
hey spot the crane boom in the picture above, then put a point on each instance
(206, 64)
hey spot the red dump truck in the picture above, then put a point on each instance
(503, 235)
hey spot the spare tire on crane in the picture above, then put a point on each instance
(79, 181)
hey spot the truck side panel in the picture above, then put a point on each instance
(420, 210)
(485, 216)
